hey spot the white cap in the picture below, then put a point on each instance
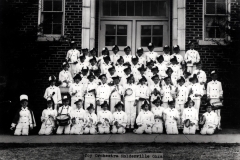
(213, 72)
(65, 97)
(49, 99)
(23, 97)
(175, 46)
(64, 63)
(150, 44)
(50, 78)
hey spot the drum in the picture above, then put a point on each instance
(129, 92)
(187, 123)
(63, 120)
(217, 105)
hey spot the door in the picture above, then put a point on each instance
(156, 32)
(115, 32)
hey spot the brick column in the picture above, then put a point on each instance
(88, 23)
(179, 24)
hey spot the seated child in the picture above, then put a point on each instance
(119, 119)
(158, 116)
(104, 119)
(90, 125)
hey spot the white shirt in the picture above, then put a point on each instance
(211, 119)
(132, 97)
(127, 58)
(91, 86)
(191, 114)
(45, 116)
(103, 92)
(56, 97)
(182, 94)
(78, 89)
(73, 55)
(167, 92)
(162, 67)
(114, 58)
(102, 115)
(118, 93)
(65, 110)
(65, 76)
(145, 118)
(196, 89)
(201, 75)
(166, 58)
(119, 70)
(193, 56)
(25, 117)
(143, 91)
(169, 114)
(214, 89)
(79, 115)
(120, 117)
(151, 56)
(91, 119)
(105, 67)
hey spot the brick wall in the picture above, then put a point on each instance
(215, 58)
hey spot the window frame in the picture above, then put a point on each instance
(227, 15)
(50, 37)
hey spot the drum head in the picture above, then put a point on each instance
(187, 123)
(129, 91)
(62, 117)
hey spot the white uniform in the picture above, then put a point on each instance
(193, 56)
(90, 97)
(151, 56)
(214, 91)
(139, 76)
(166, 58)
(103, 94)
(90, 126)
(79, 67)
(130, 109)
(57, 99)
(72, 55)
(158, 124)
(179, 58)
(80, 119)
(196, 89)
(114, 58)
(166, 93)
(146, 120)
(153, 97)
(127, 58)
(115, 96)
(134, 68)
(201, 75)
(105, 126)
(142, 59)
(162, 67)
(65, 76)
(23, 123)
(181, 99)
(79, 90)
(210, 123)
(176, 73)
(64, 110)
(170, 121)
(123, 79)
(109, 77)
(105, 67)
(142, 92)
(191, 114)
(149, 75)
(84, 81)
(48, 123)
(119, 70)
(121, 118)
(93, 67)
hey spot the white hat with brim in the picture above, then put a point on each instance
(23, 97)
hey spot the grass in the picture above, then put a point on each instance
(74, 151)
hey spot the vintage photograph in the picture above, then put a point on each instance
(119, 79)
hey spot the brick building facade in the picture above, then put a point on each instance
(84, 21)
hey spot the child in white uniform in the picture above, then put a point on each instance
(73, 57)
(127, 57)
(167, 92)
(104, 119)
(48, 119)
(91, 122)
(65, 76)
(120, 67)
(151, 55)
(191, 58)
(119, 119)
(141, 56)
(166, 55)
(162, 67)
(158, 116)
(115, 56)
(76, 90)
(24, 118)
(155, 90)
(145, 120)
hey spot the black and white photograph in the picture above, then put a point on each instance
(120, 79)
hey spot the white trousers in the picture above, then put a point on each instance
(65, 129)
(130, 110)
(72, 68)
(144, 128)
(157, 128)
(218, 111)
(46, 129)
(180, 108)
(88, 101)
(207, 130)
(114, 101)
(21, 129)
(91, 130)
(191, 69)
(103, 130)
(139, 105)
(197, 106)
(189, 130)
(77, 129)
(171, 127)
(119, 130)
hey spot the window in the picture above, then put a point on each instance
(52, 17)
(152, 33)
(134, 8)
(215, 16)
(116, 34)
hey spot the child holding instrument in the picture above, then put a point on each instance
(91, 121)
(119, 119)
(73, 57)
(76, 90)
(104, 119)
(158, 116)
(65, 76)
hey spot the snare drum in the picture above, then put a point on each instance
(63, 120)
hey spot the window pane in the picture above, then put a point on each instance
(106, 8)
(57, 17)
(157, 30)
(146, 11)
(121, 40)
(146, 30)
(122, 8)
(162, 8)
(154, 8)
(122, 30)
(210, 32)
(138, 8)
(158, 41)
(47, 28)
(130, 8)
(210, 8)
(145, 41)
(210, 0)
(221, 8)
(110, 40)
(57, 5)
(47, 18)
(209, 21)
(57, 28)
(114, 8)
(110, 29)
(47, 5)
(220, 33)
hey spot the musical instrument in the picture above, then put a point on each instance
(129, 92)
(217, 105)
(187, 123)
(63, 119)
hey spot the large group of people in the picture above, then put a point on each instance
(144, 92)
